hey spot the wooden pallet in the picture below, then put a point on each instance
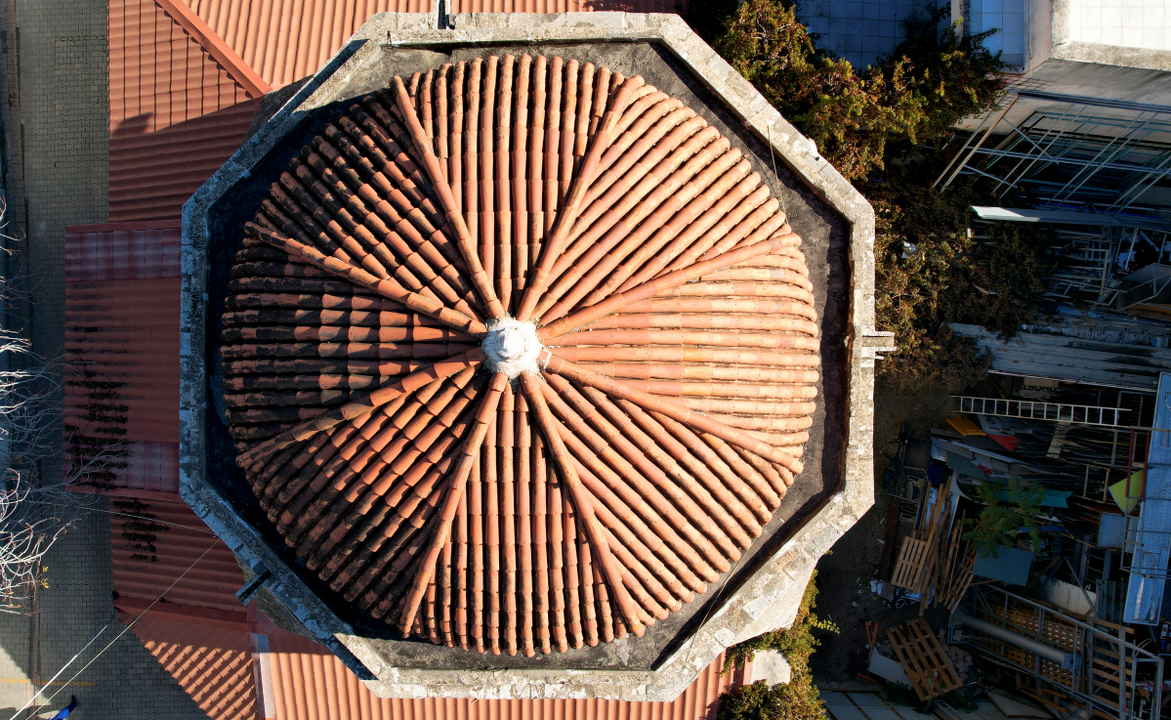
(911, 557)
(961, 578)
(924, 659)
(922, 557)
(955, 573)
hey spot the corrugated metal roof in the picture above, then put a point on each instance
(310, 683)
(286, 40)
(148, 555)
(212, 665)
(1073, 359)
(152, 470)
(123, 251)
(121, 315)
(126, 332)
(175, 114)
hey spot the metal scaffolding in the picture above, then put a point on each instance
(1039, 410)
(1079, 154)
(1104, 674)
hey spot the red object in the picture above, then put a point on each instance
(310, 683)
(175, 117)
(1008, 442)
(147, 559)
(212, 665)
(122, 336)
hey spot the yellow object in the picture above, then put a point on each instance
(965, 426)
(1118, 491)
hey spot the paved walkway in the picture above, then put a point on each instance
(123, 681)
(55, 160)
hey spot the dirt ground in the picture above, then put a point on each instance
(843, 576)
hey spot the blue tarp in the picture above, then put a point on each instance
(1051, 498)
(1011, 566)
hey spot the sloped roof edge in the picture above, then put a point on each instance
(762, 603)
(215, 46)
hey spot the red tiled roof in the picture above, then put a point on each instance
(175, 115)
(212, 665)
(287, 40)
(149, 555)
(301, 680)
(573, 505)
(310, 683)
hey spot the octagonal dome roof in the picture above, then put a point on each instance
(520, 354)
(528, 359)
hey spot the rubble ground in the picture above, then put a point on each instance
(844, 574)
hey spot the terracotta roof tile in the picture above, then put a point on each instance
(309, 683)
(520, 355)
(284, 41)
(212, 665)
(175, 115)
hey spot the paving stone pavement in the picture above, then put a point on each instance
(56, 169)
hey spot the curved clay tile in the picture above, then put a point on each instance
(476, 478)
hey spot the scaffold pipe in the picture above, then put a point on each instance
(1025, 643)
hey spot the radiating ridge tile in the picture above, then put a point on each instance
(519, 354)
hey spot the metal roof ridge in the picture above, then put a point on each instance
(215, 46)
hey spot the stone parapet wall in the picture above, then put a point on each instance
(766, 599)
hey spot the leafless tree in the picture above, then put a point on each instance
(34, 513)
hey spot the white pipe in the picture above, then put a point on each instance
(1025, 643)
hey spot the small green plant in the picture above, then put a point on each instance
(1000, 523)
(757, 701)
(797, 700)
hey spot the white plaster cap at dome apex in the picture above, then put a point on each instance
(511, 347)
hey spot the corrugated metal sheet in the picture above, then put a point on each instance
(212, 665)
(127, 333)
(175, 115)
(122, 330)
(286, 40)
(123, 251)
(151, 554)
(152, 470)
(310, 683)
(1073, 359)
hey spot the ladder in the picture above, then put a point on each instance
(1039, 410)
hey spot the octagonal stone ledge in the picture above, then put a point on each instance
(768, 599)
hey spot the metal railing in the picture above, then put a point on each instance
(1107, 672)
(1070, 156)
